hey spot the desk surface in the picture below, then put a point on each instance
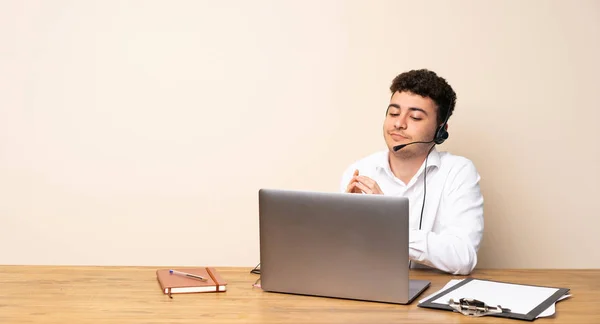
(57, 294)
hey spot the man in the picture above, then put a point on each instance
(446, 205)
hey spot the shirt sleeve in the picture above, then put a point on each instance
(346, 176)
(453, 244)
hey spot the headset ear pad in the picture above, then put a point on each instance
(441, 135)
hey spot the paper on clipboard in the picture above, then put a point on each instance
(548, 312)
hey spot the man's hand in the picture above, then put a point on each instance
(352, 188)
(360, 184)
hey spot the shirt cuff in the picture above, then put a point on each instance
(417, 245)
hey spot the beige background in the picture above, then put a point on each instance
(139, 132)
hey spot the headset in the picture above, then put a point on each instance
(441, 134)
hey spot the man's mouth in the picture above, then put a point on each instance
(398, 137)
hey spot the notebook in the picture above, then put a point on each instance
(174, 283)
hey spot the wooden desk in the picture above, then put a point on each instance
(64, 294)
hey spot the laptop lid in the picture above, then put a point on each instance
(335, 245)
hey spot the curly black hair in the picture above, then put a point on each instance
(427, 84)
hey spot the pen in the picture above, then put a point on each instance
(189, 275)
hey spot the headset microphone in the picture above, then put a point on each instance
(401, 146)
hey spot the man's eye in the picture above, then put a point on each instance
(416, 118)
(394, 115)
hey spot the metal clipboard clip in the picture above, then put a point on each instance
(475, 308)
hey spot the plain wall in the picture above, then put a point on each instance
(139, 132)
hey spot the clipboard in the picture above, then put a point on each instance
(525, 302)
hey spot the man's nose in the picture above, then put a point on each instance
(400, 122)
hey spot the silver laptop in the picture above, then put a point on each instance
(336, 245)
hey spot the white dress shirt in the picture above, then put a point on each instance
(452, 225)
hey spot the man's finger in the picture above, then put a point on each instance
(366, 180)
(364, 188)
(352, 180)
(349, 187)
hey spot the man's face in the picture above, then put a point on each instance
(410, 118)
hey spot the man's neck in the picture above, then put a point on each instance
(405, 168)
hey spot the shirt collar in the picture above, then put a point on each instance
(433, 160)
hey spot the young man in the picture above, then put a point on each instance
(446, 205)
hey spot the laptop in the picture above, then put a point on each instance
(338, 245)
